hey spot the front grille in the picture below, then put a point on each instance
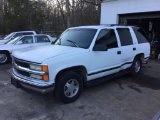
(23, 73)
(20, 63)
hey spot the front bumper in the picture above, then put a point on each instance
(22, 82)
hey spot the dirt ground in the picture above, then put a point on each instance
(124, 98)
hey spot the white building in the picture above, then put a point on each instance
(144, 13)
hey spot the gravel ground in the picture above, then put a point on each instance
(124, 98)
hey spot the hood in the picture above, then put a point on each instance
(3, 41)
(41, 53)
(6, 47)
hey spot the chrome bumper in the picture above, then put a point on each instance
(24, 82)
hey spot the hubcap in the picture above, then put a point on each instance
(3, 58)
(137, 66)
(71, 88)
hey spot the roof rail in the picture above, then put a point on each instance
(113, 25)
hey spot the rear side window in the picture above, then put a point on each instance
(41, 39)
(140, 34)
(125, 36)
(28, 33)
(107, 37)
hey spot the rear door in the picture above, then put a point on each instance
(128, 47)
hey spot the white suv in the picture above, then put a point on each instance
(78, 58)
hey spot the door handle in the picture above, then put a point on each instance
(118, 52)
(134, 49)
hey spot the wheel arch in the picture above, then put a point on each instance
(140, 55)
(78, 69)
(5, 51)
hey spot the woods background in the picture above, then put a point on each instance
(47, 15)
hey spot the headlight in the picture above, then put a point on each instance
(35, 67)
(43, 68)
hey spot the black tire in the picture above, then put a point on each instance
(4, 57)
(136, 66)
(65, 83)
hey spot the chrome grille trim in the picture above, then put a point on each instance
(28, 70)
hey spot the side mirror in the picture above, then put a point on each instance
(100, 47)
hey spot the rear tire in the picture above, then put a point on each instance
(4, 57)
(136, 66)
(68, 87)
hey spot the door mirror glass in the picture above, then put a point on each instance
(100, 47)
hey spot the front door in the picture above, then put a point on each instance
(24, 42)
(105, 62)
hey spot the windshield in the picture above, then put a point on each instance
(12, 41)
(76, 37)
(9, 36)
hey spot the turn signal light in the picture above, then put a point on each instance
(45, 68)
(45, 77)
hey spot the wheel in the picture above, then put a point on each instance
(4, 57)
(68, 87)
(136, 66)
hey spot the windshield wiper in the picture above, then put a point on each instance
(73, 43)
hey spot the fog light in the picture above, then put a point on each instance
(36, 76)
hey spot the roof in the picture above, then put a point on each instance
(24, 31)
(100, 26)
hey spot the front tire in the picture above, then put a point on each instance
(4, 57)
(69, 86)
(136, 66)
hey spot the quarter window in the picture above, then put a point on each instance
(125, 36)
(140, 34)
(107, 37)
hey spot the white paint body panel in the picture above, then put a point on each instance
(110, 10)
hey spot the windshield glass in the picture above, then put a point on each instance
(77, 37)
(12, 41)
(9, 36)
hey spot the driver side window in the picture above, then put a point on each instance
(25, 40)
(107, 37)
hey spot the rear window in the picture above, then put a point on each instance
(125, 36)
(141, 36)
